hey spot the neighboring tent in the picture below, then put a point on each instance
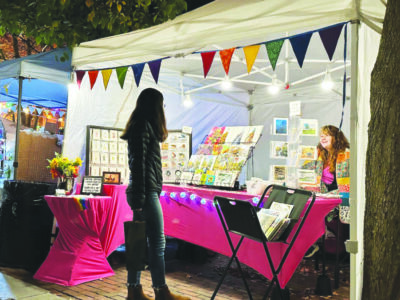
(38, 79)
(225, 24)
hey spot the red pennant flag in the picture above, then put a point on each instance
(79, 77)
(207, 58)
(92, 77)
(226, 56)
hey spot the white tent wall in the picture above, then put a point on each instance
(367, 53)
(112, 108)
(326, 110)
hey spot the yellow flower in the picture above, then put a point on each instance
(64, 167)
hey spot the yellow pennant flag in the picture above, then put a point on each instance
(250, 52)
(106, 77)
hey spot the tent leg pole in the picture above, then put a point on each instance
(15, 164)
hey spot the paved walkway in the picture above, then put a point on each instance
(195, 277)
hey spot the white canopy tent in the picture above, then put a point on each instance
(233, 23)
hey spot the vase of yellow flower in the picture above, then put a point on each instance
(65, 170)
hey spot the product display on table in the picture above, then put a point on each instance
(219, 160)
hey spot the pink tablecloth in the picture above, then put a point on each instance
(86, 237)
(188, 215)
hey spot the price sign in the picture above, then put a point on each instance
(92, 185)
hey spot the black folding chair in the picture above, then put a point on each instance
(240, 217)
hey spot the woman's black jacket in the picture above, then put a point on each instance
(144, 164)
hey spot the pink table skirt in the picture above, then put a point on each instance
(190, 215)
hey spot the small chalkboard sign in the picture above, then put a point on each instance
(92, 185)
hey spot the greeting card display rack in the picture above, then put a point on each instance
(107, 152)
(219, 160)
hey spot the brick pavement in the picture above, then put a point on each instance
(194, 279)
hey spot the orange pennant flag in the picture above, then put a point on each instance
(226, 56)
(92, 77)
(250, 52)
(106, 77)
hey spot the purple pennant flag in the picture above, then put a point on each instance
(329, 38)
(137, 72)
(155, 68)
(79, 77)
(300, 45)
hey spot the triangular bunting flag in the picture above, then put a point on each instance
(79, 77)
(207, 58)
(273, 51)
(61, 114)
(106, 77)
(250, 52)
(31, 109)
(137, 72)
(300, 45)
(155, 68)
(226, 56)
(39, 110)
(121, 74)
(329, 38)
(92, 77)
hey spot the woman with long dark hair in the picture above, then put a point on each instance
(144, 131)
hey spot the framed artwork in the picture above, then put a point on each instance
(279, 173)
(92, 185)
(306, 176)
(280, 126)
(112, 177)
(309, 127)
(279, 149)
(308, 152)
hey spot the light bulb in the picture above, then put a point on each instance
(226, 84)
(327, 83)
(187, 102)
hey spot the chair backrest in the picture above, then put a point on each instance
(298, 198)
(240, 217)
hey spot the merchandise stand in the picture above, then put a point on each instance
(240, 217)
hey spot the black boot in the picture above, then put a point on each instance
(136, 293)
(164, 293)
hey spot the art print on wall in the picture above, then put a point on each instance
(279, 173)
(309, 127)
(280, 126)
(279, 149)
(308, 152)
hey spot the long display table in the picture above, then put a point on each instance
(189, 215)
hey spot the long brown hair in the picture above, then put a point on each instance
(149, 106)
(339, 144)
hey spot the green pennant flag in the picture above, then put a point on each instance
(273, 51)
(121, 74)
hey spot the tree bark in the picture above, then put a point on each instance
(15, 46)
(382, 183)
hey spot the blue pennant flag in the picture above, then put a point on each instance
(329, 38)
(300, 44)
(137, 72)
(155, 68)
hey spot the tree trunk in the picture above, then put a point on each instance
(15, 46)
(382, 183)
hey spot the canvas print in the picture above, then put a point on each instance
(113, 147)
(122, 147)
(308, 152)
(104, 146)
(113, 135)
(96, 145)
(279, 173)
(279, 149)
(104, 135)
(96, 134)
(280, 126)
(306, 176)
(94, 171)
(309, 127)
